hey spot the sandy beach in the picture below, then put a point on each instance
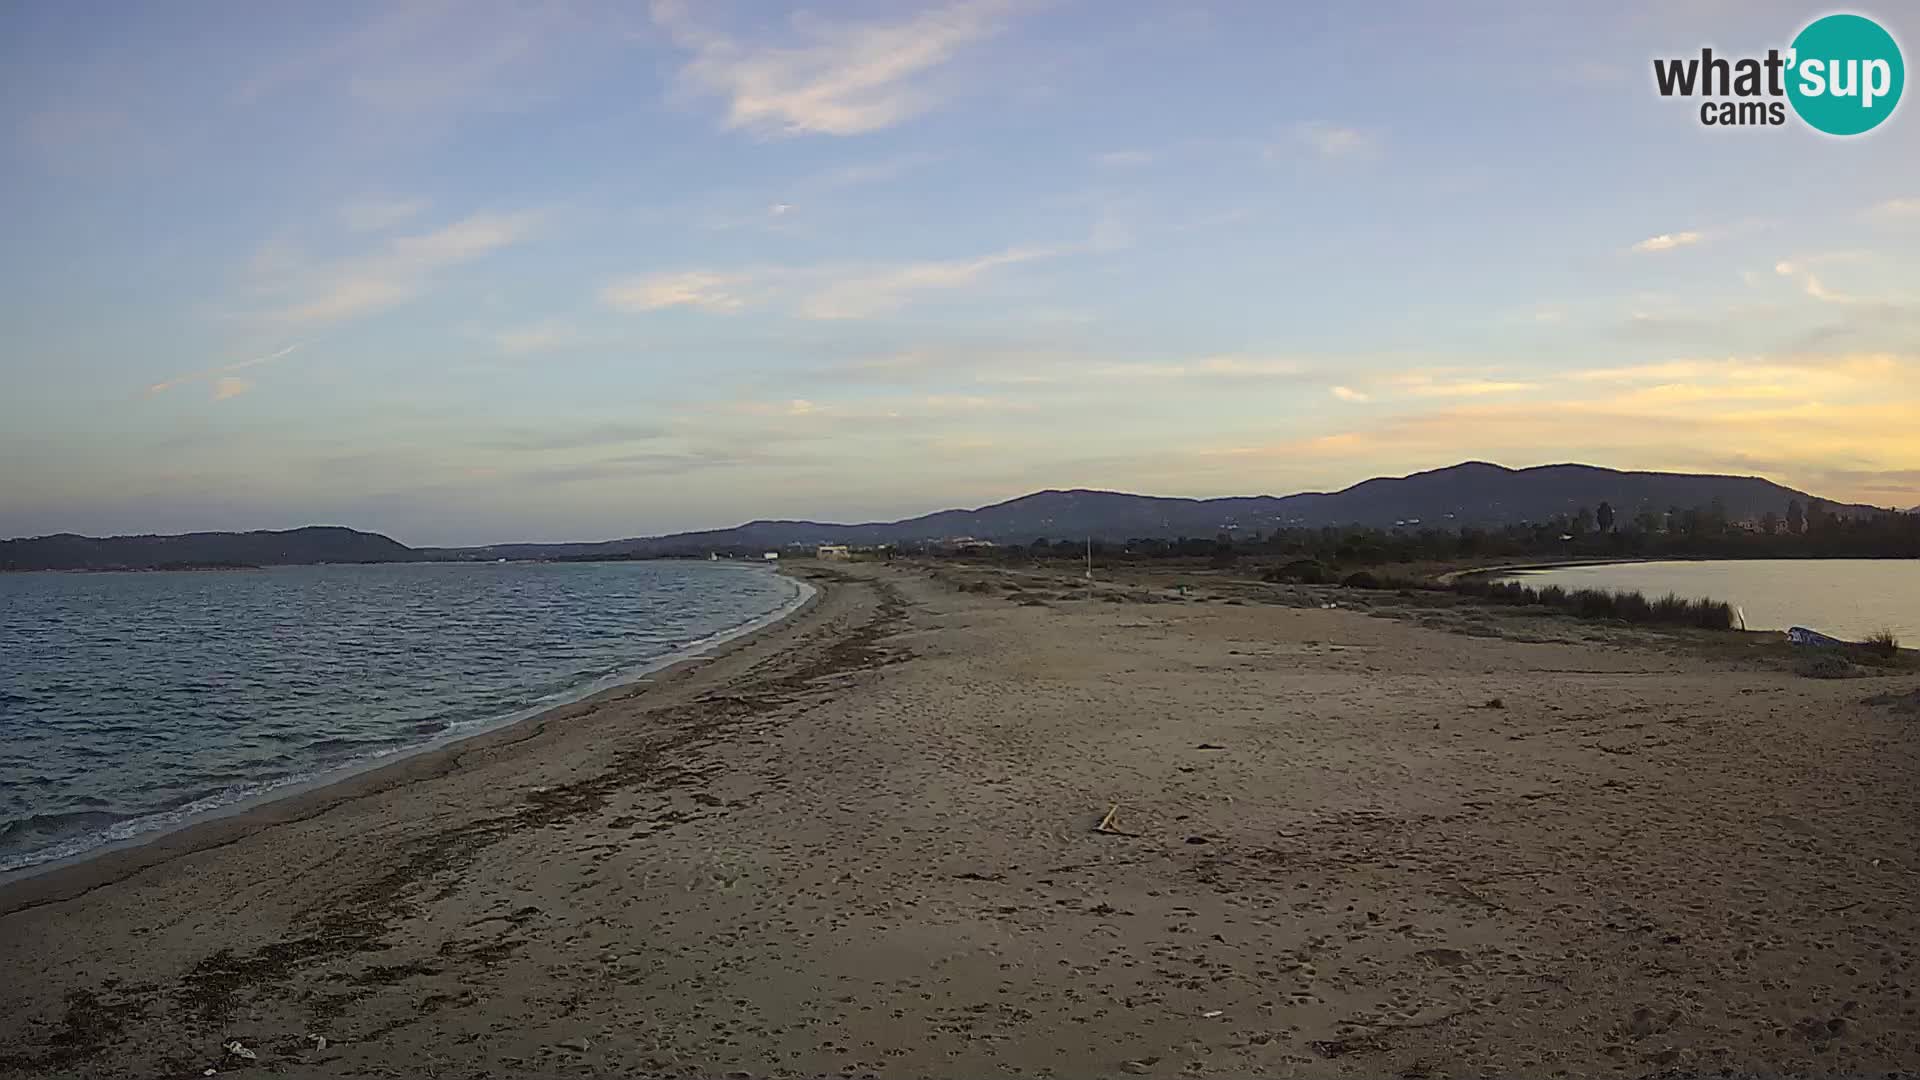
(864, 842)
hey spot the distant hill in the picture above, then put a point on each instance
(313, 544)
(1472, 493)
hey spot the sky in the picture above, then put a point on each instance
(466, 272)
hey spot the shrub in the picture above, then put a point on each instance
(1602, 604)
(1883, 643)
(1304, 571)
(1632, 607)
(1361, 580)
(1825, 664)
(1593, 604)
(1669, 609)
(1712, 615)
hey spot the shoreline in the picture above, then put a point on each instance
(71, 875)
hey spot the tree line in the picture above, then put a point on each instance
(1796, 531)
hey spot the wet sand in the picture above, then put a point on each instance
(864, 842)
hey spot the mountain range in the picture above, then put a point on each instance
(1471, 493)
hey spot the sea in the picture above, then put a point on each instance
(1844, 598)
(134, 703)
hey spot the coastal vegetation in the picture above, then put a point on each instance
(1883, 642)
(1430, 559)
(1626, 606)
(1809, 530)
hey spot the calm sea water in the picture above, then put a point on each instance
(130, 703)
(1847, 598)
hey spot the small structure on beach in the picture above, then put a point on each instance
(771, 556)
(833, 552)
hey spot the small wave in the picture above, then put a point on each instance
(56, 823)
(82, 835)
(39, 839)
(342, 742)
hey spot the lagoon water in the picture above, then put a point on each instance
(1846, 598)
(132, 702)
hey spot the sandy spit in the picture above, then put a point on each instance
(864, 842)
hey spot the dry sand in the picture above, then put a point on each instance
(863, 843)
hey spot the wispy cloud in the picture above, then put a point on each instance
(1811, 284)
(864, 294)
(1333, 141)
(830, 78)
(540, 337)
(1348, 393)
(1122, 159)
(1667, 241)
(1898, 208)
(400, 270)
(378, 215)
(1809, 371)
(432, 59)
(881, 171)
(1420, 384)
(578, 438)
(880, 410)
(1837, 412)
(702, 289)
(1226, 366)
(225, 385)
(819, 292)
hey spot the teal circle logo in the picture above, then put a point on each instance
(1846, 74)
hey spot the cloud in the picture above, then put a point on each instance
(864, 294)
(423, 61)
(873, 172)
(1123, 159)
(1814, 287)
(215, 374)
(1226, 366)
(1348, 393)
(397, 272)
(378, 215)
(1836, 413)
(837, 78)
(1808, 370)
(1333, 141)
(1425, 385)
(227, 386)
(1898, 208)
(818, 292)
(540, 337)
(1667, 241)
(576, 438)
(706, 290)
(888, 410)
